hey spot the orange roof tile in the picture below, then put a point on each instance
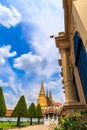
(57, 104)
(8, 113)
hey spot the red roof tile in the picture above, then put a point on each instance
(57, 104)
(8, 113)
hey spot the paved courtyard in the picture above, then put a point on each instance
(36, 127)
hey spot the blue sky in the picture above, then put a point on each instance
(27, 54)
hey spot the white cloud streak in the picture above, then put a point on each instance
(5, 53)
(3, 84)
(9, 16)
(29, 62)
(11, 98)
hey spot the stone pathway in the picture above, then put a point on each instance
(36, 127)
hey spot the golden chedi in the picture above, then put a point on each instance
(41, 98)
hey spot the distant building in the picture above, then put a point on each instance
(8, 113)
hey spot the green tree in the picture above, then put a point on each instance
(32, 112)
(39, 113)
(20, 110)
(2, 104)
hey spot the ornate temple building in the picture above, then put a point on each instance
(50, 108)
(72, 45)
(44, 100)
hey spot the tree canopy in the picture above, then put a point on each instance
(32, 111)
(20, 109)
(39, 111)
(2, 104)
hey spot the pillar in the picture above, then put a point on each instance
(70, 93)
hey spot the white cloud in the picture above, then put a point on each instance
(30, 93)
(29, 89)
(29, 62)
(11, 94)
(53, 84)
(44, 18)
(9, 16)
(3, 84)
(44, 22)
(9, 75)
(42, 66)
(2, 61)
(11, 98)
(57, 90)
(16, 86)
(5, 53)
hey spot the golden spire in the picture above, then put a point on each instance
(42, 89)
(41, 98)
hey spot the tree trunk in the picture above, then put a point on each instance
(18, 121)
(30, 121)
(38, 120)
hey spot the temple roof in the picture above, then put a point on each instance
(57, 104)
